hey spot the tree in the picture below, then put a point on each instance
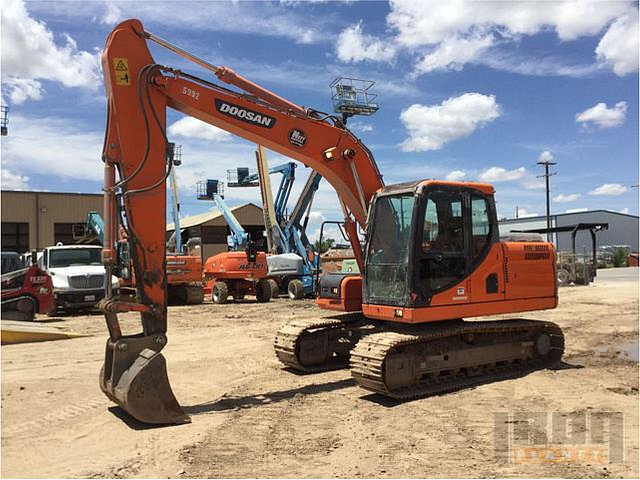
(621, 257)
(324, 246)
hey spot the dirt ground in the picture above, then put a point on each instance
(251, 418)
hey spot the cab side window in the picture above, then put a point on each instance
(481, 227)
(442, 259)
(443, 228)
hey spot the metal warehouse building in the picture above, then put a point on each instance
(34, 220)
(623, 228)
(212, 228)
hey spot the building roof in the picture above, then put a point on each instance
(542, 217)
(46, 192)
(195, 220)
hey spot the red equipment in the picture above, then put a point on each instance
(26, 292)
(237, 274)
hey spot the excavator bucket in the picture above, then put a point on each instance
(138, 381)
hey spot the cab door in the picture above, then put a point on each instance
(457, 231)
(441, 250)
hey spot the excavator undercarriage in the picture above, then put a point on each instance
(411, 361)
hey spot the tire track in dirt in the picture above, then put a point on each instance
(59, 415)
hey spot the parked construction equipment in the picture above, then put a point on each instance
(293, 262)
(184, 268)
(432, 253)
(27, 291)
(184, 271)
(241, 271)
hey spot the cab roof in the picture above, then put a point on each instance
(485, 188)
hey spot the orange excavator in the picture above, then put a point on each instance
(432, 253)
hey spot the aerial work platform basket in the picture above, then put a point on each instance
(206, 189)
(352, 96)
(4, 120)
(240, 177)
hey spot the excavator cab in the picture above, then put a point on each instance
(424, 239)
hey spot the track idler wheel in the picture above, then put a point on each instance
(134, 376)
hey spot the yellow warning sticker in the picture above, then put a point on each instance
(121, 66)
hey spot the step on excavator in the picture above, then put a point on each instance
(431, 257)
(241, 271)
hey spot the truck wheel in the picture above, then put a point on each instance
(263, 291)
(296, 289)
(195, 295)
(564, 277)
(275, 289)
(220, 293)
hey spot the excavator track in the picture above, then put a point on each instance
(319, 344)
(436, 359)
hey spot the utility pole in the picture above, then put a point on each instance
(545, 160)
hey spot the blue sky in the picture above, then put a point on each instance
(474, 91)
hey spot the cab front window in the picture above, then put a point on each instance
(389, 247)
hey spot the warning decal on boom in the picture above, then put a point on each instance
(121, 66)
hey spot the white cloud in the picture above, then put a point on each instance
(545, 156)
(533, 183)
(355, 46)
(317, 216)
(619, 45)
(446, 35)
(453, 53)
(577, 210)
(430, 127)
(361, 127)
(625, 210)
(11, 181)
(21, 89)
(30, 53)
(609, 189)
(29, 148)
(456, 175)
(254, 18)
(190, 127)
(602, 116)
(112, 14)
(523, 213)
(562, 198)
(421, 23)
(542, 66)
(499, 174)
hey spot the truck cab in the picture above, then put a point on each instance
(78, 275)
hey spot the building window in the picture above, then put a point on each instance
(15, 237)
(63, 232)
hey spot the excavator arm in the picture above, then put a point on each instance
(137, 161)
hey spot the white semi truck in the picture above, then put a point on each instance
(77, 273)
